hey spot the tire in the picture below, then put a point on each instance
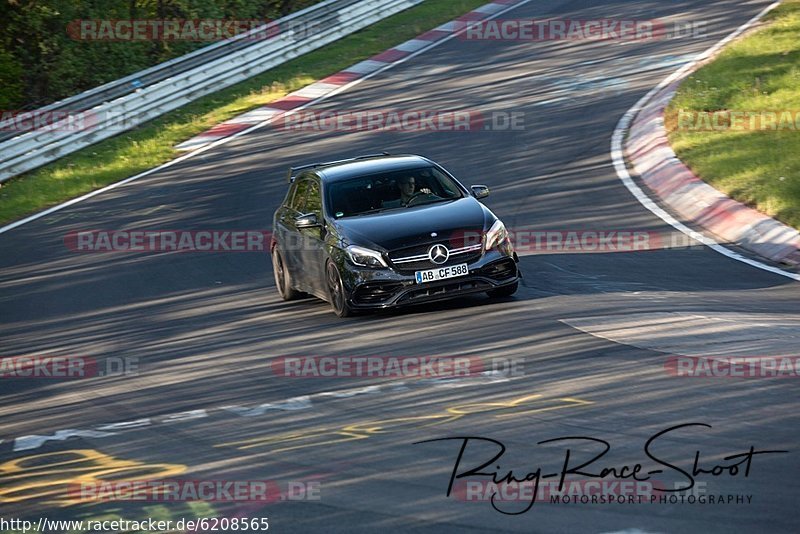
(283, 280)
(505, 291)
(336, 292)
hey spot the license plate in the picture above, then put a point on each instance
(442, 273)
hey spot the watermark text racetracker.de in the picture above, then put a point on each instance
(191, 30)
(786, 120)
(399, 367)
(150, 524)
(400, 120)
(14, 120)
(787, 366)
(579, 30)
(66, 367)
(268, 491)
(40, 120)
(168, 240)
(588, 241)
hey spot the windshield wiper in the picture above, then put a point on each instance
(433, 201)
(370, 212)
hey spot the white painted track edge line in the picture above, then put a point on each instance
(618, 154)
(224, 140)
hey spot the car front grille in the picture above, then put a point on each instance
(416, 258)
(443, 290)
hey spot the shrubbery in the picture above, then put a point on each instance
(40, 63)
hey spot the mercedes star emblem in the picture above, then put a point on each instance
(438, 254)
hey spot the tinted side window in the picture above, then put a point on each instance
(313, 199)
(299, 198)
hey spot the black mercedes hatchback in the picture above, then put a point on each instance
(383, 231)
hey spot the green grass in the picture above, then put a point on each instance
(153, 143)
(758, 73)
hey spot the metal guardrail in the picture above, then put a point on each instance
(128, 102)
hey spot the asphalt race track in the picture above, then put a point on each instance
(591, 333)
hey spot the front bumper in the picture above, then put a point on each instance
(386, 288)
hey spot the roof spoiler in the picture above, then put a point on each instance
(293, 171)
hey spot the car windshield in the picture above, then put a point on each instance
(395, 190)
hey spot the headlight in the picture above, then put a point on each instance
(496, 235)
(365, 257)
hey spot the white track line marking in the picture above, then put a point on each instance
(618, 157)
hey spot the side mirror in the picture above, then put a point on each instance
(309, 220)
(480, 191)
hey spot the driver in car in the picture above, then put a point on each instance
(407, 185)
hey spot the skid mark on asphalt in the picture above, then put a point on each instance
(573, 282)
(316, 437)
(700, 333)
